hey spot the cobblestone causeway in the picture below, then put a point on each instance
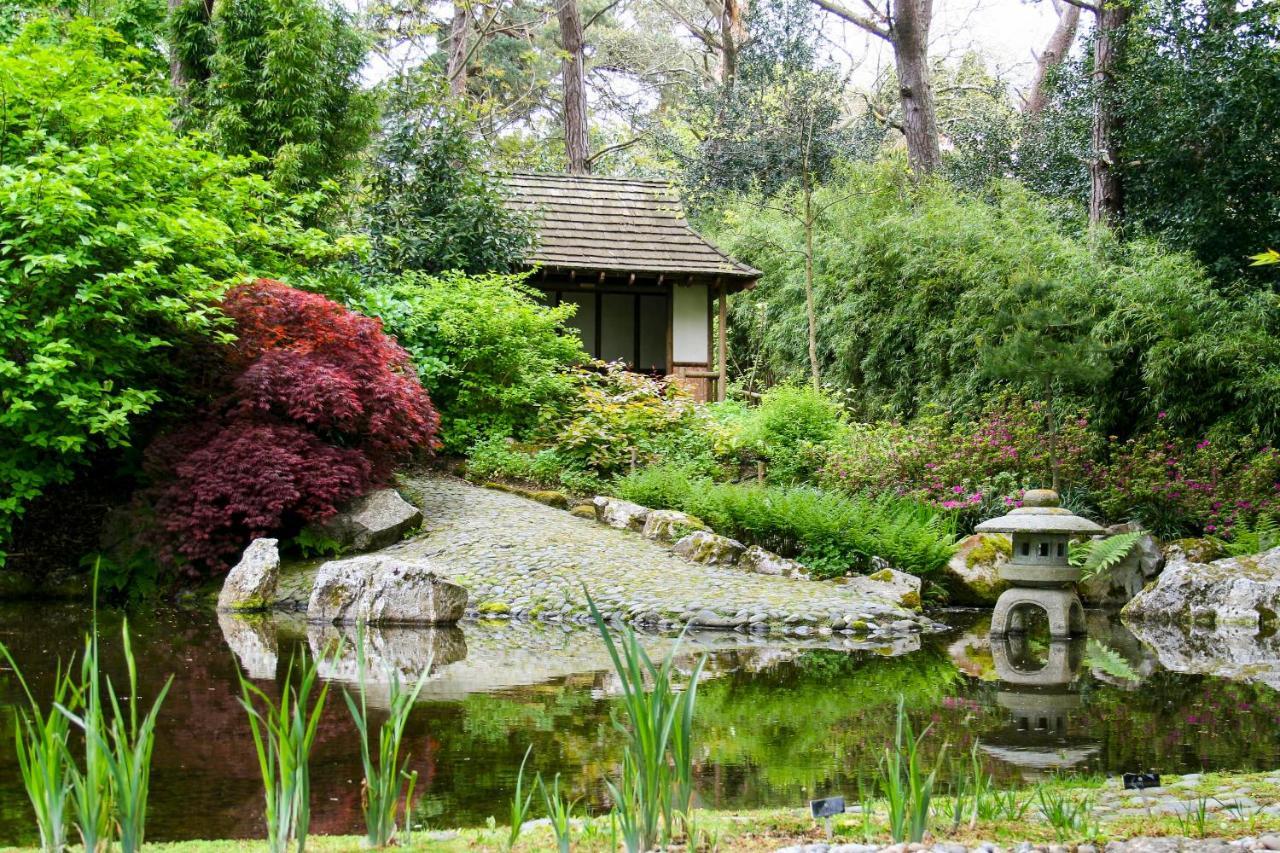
(521, 559)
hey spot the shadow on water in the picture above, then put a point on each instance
(777, 723)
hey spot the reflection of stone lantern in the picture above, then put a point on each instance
(1039, 697)
(1040, 572)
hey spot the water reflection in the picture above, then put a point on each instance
(777, 723)
(1039, 689)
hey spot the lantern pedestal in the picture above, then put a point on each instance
(1061, 606)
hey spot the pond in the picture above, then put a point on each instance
(777, 723)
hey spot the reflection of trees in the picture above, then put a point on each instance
(820, 723)
(1182, 723)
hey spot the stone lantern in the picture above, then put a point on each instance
(1039, 571)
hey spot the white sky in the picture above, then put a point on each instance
(1005, 31)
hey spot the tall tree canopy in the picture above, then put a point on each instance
(279, 78)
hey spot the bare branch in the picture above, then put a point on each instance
(862, 21)
(1088, 7)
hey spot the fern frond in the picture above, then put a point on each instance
(1101, 555)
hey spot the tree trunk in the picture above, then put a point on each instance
(909, 32)
(177, 74)
(1064, 35)
(1106, 195)
(459, 32)
(810, 307)
(733, 33)
(574, 81)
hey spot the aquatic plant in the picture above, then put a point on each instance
(44, 759)
(519, 803)
(970, 790)
(559, 811)
(1070, 818)
(1196, 819)
(386, 780)
(283, 734)
(907, 788)
(657, 777)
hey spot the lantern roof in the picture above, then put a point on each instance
(1040, 513)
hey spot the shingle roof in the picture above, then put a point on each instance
(616, 225)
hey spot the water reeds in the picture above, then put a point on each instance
(657, 778)
(44, 759)
(1069, 818)
(559, 811)
(907, 788)
(387, 779)
(1196, 819)
(283, 734)
(519, 803)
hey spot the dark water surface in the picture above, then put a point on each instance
(777, 724)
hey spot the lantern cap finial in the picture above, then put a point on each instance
(1040, 512)
(1040, 497)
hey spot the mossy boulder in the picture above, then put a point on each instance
(706, 547)
(1193, 550)
(890, 585)
(668, 525)
(1236, 591)
(584, 511)
(972, 576)
(621, 514)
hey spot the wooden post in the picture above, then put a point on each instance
(722, 386)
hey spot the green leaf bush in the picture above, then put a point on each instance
(494, 359)
(909, 278)
(117, 237)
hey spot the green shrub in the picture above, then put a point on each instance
(832, 533)
(492, 357)
(909, 278)
(117, 237)
(790, 430)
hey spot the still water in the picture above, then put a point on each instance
(777, 723)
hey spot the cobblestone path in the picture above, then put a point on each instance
(521, 559)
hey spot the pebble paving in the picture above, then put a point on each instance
(522, 559)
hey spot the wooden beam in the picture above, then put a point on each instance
(722, 388)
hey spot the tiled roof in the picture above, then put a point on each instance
(616, 225)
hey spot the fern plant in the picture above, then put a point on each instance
(1097, 556)
(1262, 535)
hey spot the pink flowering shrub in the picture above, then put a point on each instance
(1180, 486)
(968, 465)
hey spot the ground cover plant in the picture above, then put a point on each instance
(830, 532)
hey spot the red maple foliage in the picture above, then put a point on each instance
(317, 405)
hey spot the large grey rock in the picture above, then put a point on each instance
(251, 583)
(380, 590)
(758, 560)
(621, 514)
(891, 585)
(373, 521)
(1192, 551)
(971, 577)
(668, 525)
(710, 548)
(1236, 591)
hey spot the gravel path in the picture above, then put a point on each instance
(521, 559)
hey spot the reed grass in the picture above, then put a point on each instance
(907, 788)
(1069, 818)
(657, 778)
(559, 811)
(283, 734)
(519, 803)
(44, 757)
(387, 780)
